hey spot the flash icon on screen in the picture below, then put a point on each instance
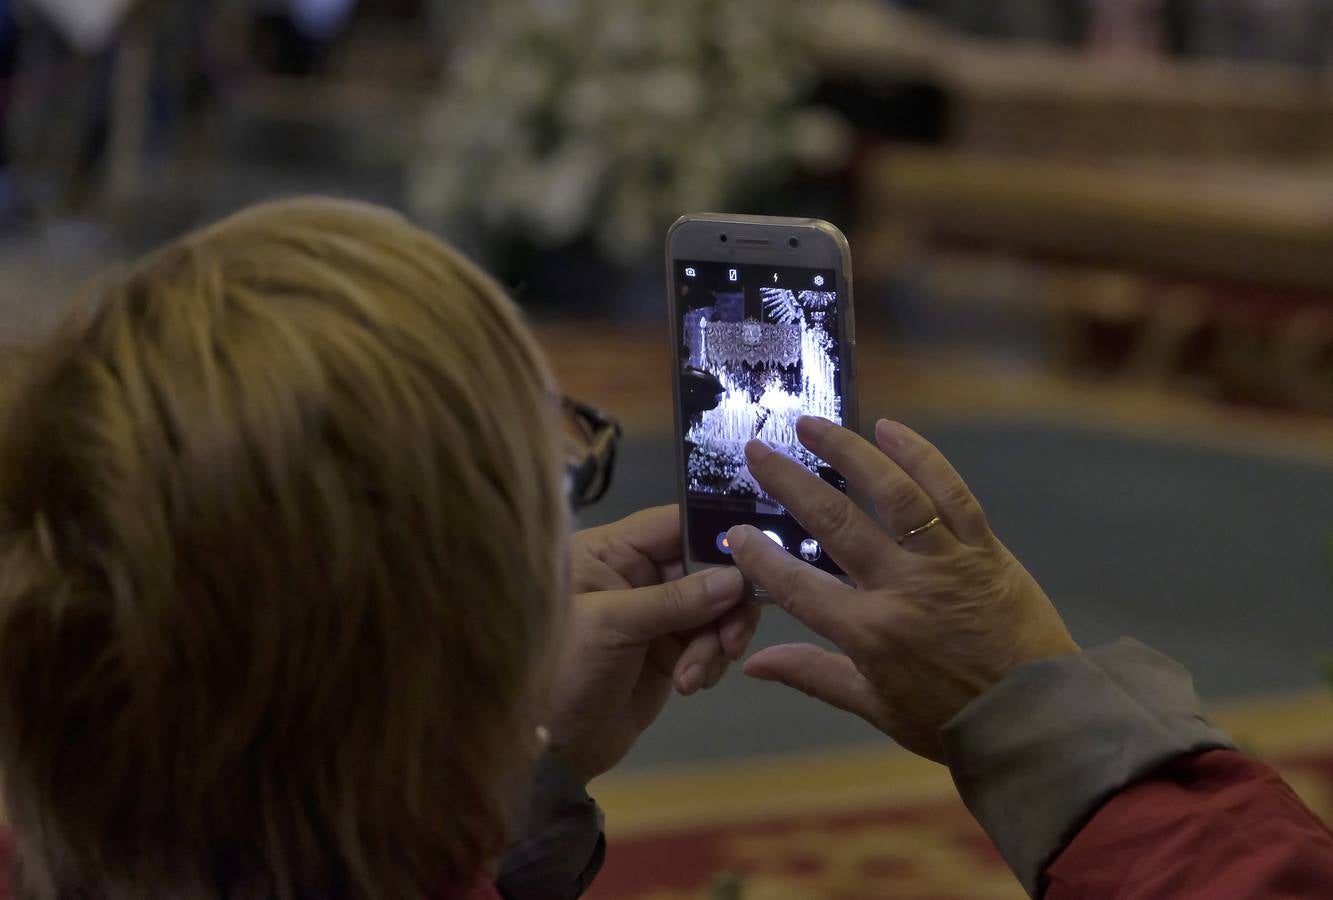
(733, 275)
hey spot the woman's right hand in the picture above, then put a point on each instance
(932, 622)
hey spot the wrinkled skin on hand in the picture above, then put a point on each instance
(637, 625)
(930, 623)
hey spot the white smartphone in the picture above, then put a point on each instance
(762, 332)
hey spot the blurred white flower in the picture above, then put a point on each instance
(821, 139)
(564, 194)
(623, 30)
(608, 118)
(586, 103)
(671, 92)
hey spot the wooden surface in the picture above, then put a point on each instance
(1020, 97)
(1251, 225)
(871, 39)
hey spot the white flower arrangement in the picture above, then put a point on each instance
(606, 119)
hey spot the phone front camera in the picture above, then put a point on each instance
(722, 237)
(793, 242)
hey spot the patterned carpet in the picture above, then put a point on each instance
(865, 824)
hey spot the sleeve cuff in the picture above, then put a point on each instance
(1037, 755)
(559, 846)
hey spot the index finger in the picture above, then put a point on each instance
(812, 596)
(849, 536)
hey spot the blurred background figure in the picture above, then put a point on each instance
(1091, 241)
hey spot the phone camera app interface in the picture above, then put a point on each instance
(759, 348)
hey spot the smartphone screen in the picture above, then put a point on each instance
(759, 348)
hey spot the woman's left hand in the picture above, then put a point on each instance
(637, 626)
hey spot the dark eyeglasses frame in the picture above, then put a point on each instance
(590, 475)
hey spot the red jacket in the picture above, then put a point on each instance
(1212, 826)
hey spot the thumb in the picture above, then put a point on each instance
(645, 614)
(829, 677)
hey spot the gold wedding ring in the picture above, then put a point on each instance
(921, 530)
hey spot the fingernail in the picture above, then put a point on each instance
(889, 432)
(736, 537)
(756, 450)
(731, 638)
(724, 584)
(813, 425)
(693, 679)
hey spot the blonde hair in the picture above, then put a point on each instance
(280, 541)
